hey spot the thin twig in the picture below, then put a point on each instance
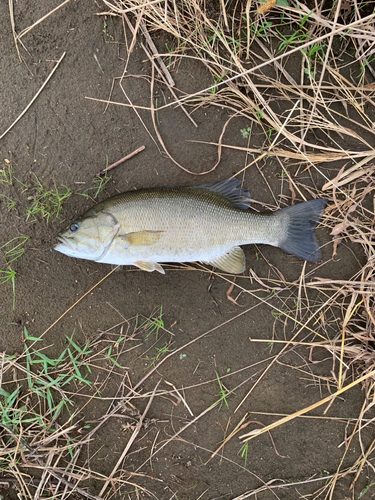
(26, 30)
(131, 440)
(11, 13)
(117, 163)
(154, 50)
(258, 432)
(35, 97)
(41, 463)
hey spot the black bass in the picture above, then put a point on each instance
(208, 223)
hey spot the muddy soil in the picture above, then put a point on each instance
(65, 138)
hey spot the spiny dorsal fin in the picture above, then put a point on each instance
(231, 262)
(239, 197)
(149, 266)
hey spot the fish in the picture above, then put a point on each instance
(209, 224)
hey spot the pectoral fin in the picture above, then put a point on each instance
(141, 238)
(149, 266)
(231, 262)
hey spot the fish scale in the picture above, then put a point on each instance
(193, 228)
(207, 223)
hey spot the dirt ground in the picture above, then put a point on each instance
(65, 139)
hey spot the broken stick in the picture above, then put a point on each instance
(110, 167)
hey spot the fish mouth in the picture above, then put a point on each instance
(65, 242)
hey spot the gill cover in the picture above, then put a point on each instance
(89, 237)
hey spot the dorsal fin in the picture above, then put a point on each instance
(239, 197)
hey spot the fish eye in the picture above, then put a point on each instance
(74, 227)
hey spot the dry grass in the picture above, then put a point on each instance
(325, 120)
(44, 435)
(247, 55)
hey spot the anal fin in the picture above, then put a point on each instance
(149, 266)
(231, 262)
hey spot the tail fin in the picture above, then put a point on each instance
(300, 239)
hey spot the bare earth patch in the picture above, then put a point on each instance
(197, 384)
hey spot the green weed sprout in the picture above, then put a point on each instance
(45, 202)
(98, 185)
(245, 132)
(218, 79)
(46, 378)
(365, 490)
(9, 202)
(244, 451)
(160, 352)
(223, 393)
(9, 275)
(12, 250)
(105, 31)
(153, 324)
(6, 173)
